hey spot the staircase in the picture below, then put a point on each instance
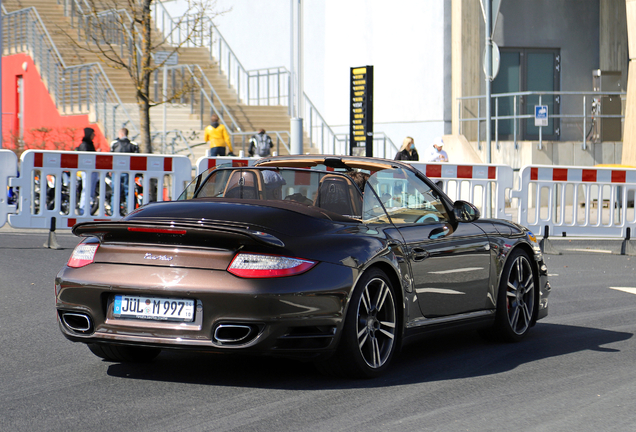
(249, 118)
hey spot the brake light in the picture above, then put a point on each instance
(157, 230)
(83, 255)
(249, 265)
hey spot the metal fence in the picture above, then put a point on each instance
(264, 87)
(581, 110)
(82, 89)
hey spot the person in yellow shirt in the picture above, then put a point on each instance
(218, 138)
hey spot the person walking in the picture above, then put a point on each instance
(261, 143)
(436, 153)
(216, 135)
(123, 145)
(407, 151)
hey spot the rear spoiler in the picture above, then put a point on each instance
(169, 232)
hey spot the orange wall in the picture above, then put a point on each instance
(39, 111)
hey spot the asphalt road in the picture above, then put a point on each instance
(575, 371)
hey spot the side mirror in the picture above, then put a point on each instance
(465, 211)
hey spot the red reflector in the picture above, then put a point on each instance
(157, 230)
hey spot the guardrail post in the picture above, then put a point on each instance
(627, 248)
(51, 242)
(546, 245)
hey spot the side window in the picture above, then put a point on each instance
(406, 198)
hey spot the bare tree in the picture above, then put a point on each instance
(122, 35)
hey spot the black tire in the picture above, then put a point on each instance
(124, 354)
(370, 334)
(516, 298)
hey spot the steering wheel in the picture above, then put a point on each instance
(431, 217)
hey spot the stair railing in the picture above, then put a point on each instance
(76, 89)
(268, 86)
(191, 77)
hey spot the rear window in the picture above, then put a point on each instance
(332, 191)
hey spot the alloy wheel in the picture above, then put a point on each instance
(376, 323)
(520, 295)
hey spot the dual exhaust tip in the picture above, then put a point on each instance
(77, 322)
(224, 334)
(235, 334)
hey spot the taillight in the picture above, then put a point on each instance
(248, 265)
(83, 254)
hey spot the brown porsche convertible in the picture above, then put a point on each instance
(340, 260)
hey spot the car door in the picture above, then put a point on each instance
(450, 261)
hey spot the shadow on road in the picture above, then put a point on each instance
(442, 358)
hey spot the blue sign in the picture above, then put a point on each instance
(540, 115)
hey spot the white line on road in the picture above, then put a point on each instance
(626, 289)
(591, 250)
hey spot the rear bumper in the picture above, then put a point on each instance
(300, 314)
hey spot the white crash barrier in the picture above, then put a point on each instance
(8, 170)
(205, 163)
(473, 183)
(577, 201)
(77, 187)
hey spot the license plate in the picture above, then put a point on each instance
(153, 308)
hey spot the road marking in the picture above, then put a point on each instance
(591, 250)
(552, 274)
(626, 289)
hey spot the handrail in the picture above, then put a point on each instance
(225, 112)
(97, 98)
(589, 111)
(237, 75)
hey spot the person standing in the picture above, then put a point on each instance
(216, 135)
(123, 145)
(436, 153)
(261, 143)
(407, 151)
(87, 146)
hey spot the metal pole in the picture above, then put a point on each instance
(540, 131)
(296, 126)
(488, 69)
(584, 125)
(1, 51)
(165, 113)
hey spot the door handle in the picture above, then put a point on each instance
(419, 254)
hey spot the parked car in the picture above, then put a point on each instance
(339, 260)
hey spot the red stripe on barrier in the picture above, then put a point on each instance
(464, 171)
(492, 172)
(167, 164)
(138, 163)
(560, 174)
(302, 178)
(589, 176)
(70, 222)
(68, 161)
(618, 176)
(103, 162)
(211, 163)
(433, 170)
(534, 173)
(37, 160)
(239, 163)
